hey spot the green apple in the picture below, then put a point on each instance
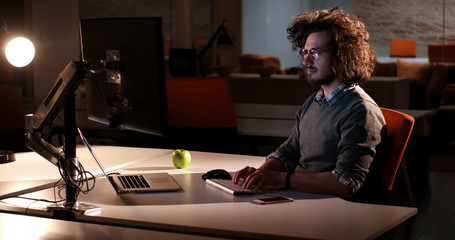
(181, 158)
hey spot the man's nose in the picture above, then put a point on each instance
(307, 60)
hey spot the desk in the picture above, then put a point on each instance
(270, 120)
(203, 209)
(14, 226)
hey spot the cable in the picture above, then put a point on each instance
(78, 181)
(98, 88)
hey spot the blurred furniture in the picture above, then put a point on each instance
(441, 52)
(12, 123)
(403, 48)
(286, 89)
(389, 92)
(444, 123)
(182, 62)
(223, 70)
(426, 80)
(201, 114)
(248, 61)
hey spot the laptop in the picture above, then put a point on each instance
(138, 183)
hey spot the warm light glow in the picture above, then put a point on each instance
(20, 52)
(23, 227)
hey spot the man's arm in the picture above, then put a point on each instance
(273, 172)
(323, 182)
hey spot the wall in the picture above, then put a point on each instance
(421, 20)
(56, 38)
(264, 24)
(256, 26)
(55, 25)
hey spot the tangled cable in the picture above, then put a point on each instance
(78, 179)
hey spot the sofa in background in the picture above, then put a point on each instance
(427, 80)
(255, 63)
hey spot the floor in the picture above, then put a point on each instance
(436, 204)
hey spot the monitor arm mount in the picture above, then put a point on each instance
(38, 126)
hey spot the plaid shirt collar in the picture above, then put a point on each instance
(334, 96)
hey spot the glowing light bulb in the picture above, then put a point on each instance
(20, 52)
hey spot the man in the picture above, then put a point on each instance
(338, 128)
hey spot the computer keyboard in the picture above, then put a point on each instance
(229, 187)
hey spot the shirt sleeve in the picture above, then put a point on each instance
(289, 151)
(361, 133)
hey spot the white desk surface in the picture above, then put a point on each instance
(14, 226)
(200, 208)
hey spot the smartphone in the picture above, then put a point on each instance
(270, 200)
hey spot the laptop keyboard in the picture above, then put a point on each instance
(133, 181)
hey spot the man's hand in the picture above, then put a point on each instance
(258, 178)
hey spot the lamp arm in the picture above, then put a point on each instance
(211, 40)
(40, 123)
(207, 46)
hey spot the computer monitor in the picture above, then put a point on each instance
(132, 95)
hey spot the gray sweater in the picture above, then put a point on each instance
(338, 136)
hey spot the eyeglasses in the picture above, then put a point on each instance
(313, 52)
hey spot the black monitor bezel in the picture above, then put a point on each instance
(140, 41)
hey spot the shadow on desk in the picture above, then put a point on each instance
(195, 191)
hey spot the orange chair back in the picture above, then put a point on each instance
(399, 128)
(200, 102)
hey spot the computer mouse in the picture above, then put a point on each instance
(217, 174)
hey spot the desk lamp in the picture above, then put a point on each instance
(223, 42)
(19, 52)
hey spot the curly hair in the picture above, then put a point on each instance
(354, 59)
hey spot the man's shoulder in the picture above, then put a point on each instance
(358, 96)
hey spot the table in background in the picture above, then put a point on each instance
(389, 92)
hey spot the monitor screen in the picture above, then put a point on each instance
(132, 94)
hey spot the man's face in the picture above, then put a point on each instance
(318, 70)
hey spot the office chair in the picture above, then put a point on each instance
(399, 128)
(201, 114)
(390, 152)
